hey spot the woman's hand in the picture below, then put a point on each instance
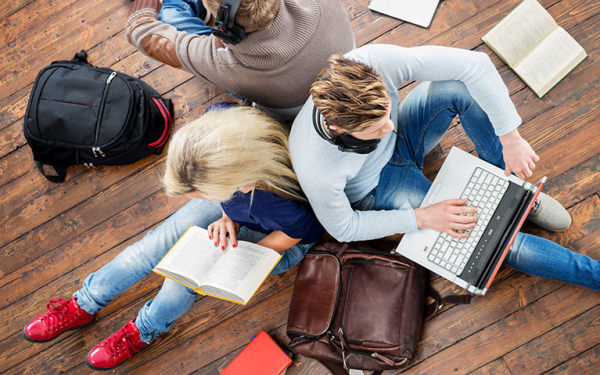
(519, 157)
(218, 231)
(450, 216)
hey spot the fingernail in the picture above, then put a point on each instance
(222, 247)
(210, 237)
(234, 245)
(216, 243)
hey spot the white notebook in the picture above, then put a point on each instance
(419, 12)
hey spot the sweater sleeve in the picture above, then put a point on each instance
(335, 212)
(193, 53)
(434, 63)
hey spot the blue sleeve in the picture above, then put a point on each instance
(294, 218)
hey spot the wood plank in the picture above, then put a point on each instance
(53, 40)
(90, 243)
(509, 333)
(498, 367)
(586, 363)
(557, 346)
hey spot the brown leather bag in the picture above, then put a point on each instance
(359, 307)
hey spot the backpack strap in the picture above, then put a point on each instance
(80, 56)
(61, 172)
(439, 301)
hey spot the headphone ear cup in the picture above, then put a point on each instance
(225, 27)
(236, 34)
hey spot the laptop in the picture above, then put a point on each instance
(416, 12)
(503, 203)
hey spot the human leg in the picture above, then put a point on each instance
(423, 119)
(157, 316)
(185, 15)
(138, 259)
(426, 113)
(541, 257)
(130, 266)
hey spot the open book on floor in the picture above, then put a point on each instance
(532, 44)
(233, 274)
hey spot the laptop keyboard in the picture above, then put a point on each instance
(484, 191)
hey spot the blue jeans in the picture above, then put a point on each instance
(423, 119)
(138, 260)
(184, 15)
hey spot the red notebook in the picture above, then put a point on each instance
(262, 356)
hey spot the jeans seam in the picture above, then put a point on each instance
(474, 138)
(424, 128)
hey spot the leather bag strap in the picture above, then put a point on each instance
(439, 301)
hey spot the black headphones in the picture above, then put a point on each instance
(225, 27)
(345, 142)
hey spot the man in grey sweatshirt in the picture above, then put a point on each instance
(287, 43)
(359, 154)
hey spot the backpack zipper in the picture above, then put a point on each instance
(96, 150)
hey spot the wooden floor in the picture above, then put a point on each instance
(53, 235)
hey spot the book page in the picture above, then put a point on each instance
(241, 270)
(550, 61)
(523, 28)
(192, 257)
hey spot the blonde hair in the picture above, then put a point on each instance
(350, 94)
(224, 150)
(252, 14)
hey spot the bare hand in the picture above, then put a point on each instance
(218, 231)
(519, 157)
(450, 216)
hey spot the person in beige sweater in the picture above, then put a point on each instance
(287, 43)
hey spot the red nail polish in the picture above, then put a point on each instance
(222, 247)
(216, 243)
(234, 245)
(210, 237)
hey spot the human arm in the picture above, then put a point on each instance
(435, 63)
(218, 231)
(480, 77)
(163, 42)
(278, 241)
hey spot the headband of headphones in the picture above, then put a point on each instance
(225, 27)
(344, 142)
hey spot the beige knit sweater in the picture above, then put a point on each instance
(273, 67)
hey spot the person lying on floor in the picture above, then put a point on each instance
(235, 167)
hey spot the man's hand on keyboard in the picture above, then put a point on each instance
(450, 216)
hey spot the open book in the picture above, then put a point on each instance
(532, 44)
(233, 274)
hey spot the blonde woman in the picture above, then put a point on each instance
(237, 157)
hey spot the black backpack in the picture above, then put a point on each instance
(82, 114)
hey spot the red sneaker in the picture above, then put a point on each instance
(62, 316)
(116, 348)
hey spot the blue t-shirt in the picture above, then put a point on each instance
(270, 212)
